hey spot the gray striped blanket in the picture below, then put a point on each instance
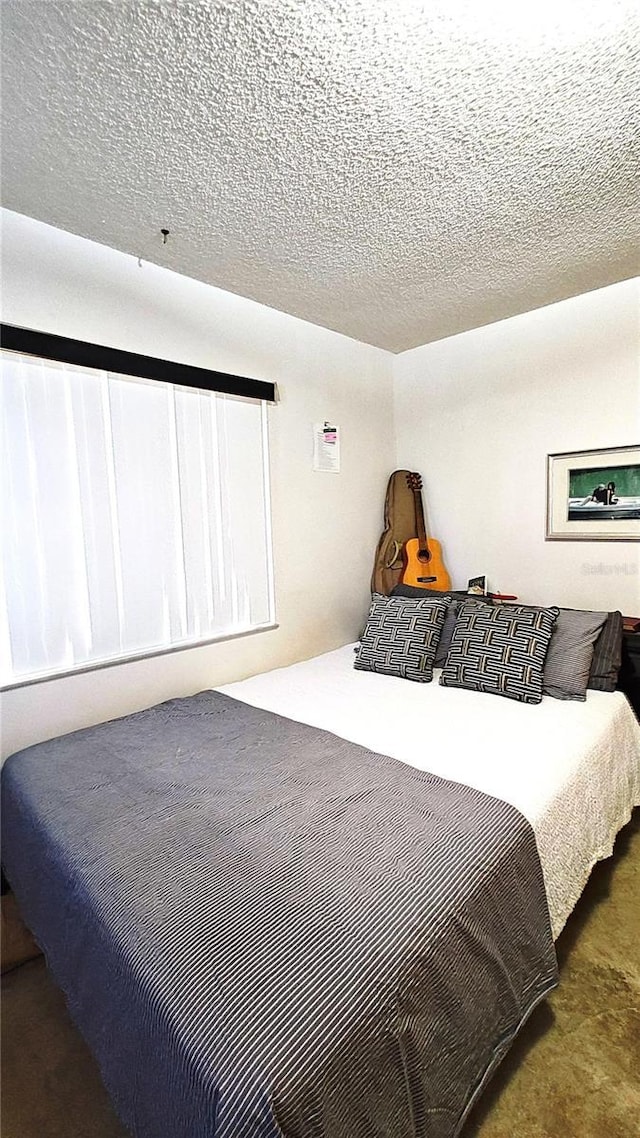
(264, 930)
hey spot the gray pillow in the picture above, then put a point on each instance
(570, 655)
(607, 655)
(400, 637)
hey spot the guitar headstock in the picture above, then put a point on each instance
(414, 481)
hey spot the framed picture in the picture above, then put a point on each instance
(594, 495)
(477, 584)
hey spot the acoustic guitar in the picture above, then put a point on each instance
(423, 564)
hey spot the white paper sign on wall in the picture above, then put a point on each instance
(326, 447)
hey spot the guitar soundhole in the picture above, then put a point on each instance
(424, 555)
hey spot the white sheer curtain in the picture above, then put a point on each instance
(135, 517)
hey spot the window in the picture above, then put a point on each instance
(135, 517)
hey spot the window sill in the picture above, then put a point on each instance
(130, 658)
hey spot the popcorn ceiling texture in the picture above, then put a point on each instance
(393, 170)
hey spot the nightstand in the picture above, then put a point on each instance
(629, 678)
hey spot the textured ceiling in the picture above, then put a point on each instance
(395, 170)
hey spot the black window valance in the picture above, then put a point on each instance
(78, 352)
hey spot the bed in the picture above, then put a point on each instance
(243, 968)
(575, 773)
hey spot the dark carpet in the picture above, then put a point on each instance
(574, 1071)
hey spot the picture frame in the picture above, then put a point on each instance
(478, 584)
(594, 495)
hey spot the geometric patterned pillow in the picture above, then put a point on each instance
(401, 636)
(569, 659)
(500, 650)
(450, 619)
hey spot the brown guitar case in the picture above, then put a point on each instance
(399, 526)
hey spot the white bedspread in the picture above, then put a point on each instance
(572, 769)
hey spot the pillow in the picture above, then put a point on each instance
(401, 636)
(415, 592)
(607, 655)
(570, 655)
(450, 618)
(499, 650)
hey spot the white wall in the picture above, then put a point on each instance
(478, 413)
(325, 525)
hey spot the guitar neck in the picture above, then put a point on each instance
(420, 526)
